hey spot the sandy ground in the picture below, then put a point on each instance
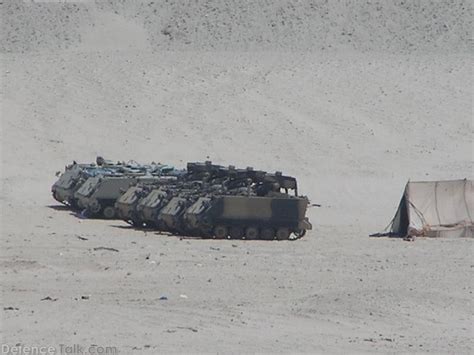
(353, 124)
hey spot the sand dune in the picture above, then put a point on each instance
(353, 99)
(394, 26)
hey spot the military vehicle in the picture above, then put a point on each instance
(205, 200)
(263, 210)
(75, 175)
(249, 217)
(97, 196)
(63, 188)
(126, 205)
(139, 209)
(226, 202)
(170, 217)
(149, 207)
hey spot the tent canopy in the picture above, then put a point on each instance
(435, 208)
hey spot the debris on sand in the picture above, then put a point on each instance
(48, 298)
(194, 330)
(106, 248)
(10, 308)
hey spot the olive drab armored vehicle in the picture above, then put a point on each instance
(170, 216)
(149, 207)
(148, 211)
(221, 202)
(141, 204)
(126, 205)
(265, 210)
(252, 217)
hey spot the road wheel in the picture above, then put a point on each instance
(267, 234)
(79, 205)
(95, 207)
(251, 233)
(283, 234)
(220, 232)
(109, 212)
(136, 223)
(300, 233)
(204, 233)
(236, 232)
(71, 203)
(157, 222)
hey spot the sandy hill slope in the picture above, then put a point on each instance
(348, 127)
(351, 98)
(390, 101)
(396, 26)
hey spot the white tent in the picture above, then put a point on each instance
(435, 209)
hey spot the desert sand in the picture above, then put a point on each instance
(353, 99)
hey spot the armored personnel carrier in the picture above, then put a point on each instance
(139, 204)
(205, 200)
(227, 202)
(149, 206)
(126, 206)
(263, 210)
(75, 175)
(97, 196)
(249, 217)
(63, 188)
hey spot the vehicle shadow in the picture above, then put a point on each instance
(59, 207)
(82, 215)
(73, 212)
(153, 231)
